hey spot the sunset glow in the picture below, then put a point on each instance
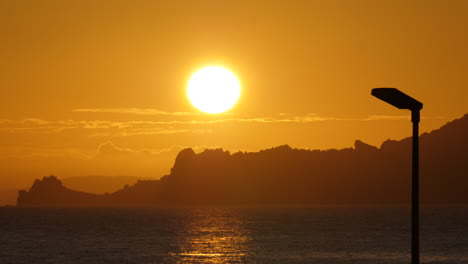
(222, 132)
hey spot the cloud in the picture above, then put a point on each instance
(99, 127)
(107, 149)
(144, 127)
(399, 117)
(285, 117)
(36, 125)
(384, 117)
(110, 149)
(31, 152)
(137, 111)
(149, 131)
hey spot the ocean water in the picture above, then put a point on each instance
(282, 234)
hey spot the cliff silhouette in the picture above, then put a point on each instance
(361, 175)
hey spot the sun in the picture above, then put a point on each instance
(213, 89)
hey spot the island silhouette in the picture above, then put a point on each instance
(282, 175)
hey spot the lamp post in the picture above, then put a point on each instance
(400, 100)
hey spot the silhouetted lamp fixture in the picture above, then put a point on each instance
(400, 100)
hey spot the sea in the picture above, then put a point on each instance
(231, 234)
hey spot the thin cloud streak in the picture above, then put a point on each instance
(107, 147)
(137, 111)
(385, 117)
(110, 147)
(130, 128)
(401, 117)
(157, 131)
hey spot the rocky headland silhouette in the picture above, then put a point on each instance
(282, 175)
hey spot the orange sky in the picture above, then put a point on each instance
(98, 87)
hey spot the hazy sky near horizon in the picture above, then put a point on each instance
(99, 87)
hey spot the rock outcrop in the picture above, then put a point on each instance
(363, 174)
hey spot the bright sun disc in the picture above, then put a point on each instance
(213, 90)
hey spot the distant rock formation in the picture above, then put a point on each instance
(50, 191)
(363, 174)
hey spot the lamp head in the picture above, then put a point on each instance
(397, 98)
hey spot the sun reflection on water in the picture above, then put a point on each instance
(212, 235)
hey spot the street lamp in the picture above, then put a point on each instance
(400, 100)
